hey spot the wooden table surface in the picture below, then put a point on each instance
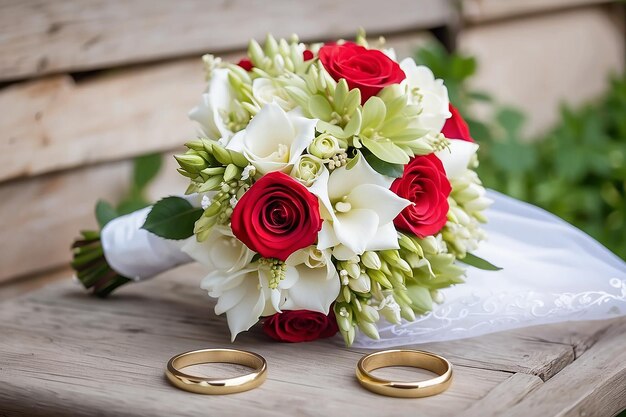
(65, 353)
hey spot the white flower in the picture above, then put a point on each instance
(215, 103)
(358, 211)
(220, 251)
(266, 91)
(456, 157)
(247, 172)
(243, 295)
(206, 202)
(427, 92)
(310, 283)
(274, 140)
(317, 285)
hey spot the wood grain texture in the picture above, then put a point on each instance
(39, 37)
(594, 385)
(53, 123)
(478, 11)
(64, 352)
(504, 396)
(40, 217)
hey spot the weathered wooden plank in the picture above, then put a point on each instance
(56, 124)
(40, 217)
(22, 285)
(580, 48)
(53, 123)
(477, 11)
(504, 396)
(109, 359)
(594, 385)
(40, 37)
(63, 350)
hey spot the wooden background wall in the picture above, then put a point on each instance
(85, 85)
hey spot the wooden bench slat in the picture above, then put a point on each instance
(594, 385)
(40, 217)
(40, 37)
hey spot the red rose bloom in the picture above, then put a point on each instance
(300, 326)
(424, 183)
(369, 70)
(276, 216)
(246, 64)
(456, 127)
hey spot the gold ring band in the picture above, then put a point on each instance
(202, 385)
(405, 357)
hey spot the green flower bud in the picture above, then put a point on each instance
(307, 169)
(369, 329)
(231, 172)
(371, 260)
(353, 269)
(324, 146)
(190, 162)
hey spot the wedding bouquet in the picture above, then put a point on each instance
(330, 186)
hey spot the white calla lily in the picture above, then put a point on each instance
(359, 211)
(220, 251)
(317, 285)
(216, 102)
(428, 92)
(243, 295)
(266, 91)
(456, 157)
(310, 283)
(274, 139)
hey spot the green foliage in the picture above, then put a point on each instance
(479, 263)
(145, 169)
(172, 218)
(577, 170)
(105, 213)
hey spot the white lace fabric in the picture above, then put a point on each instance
(552, 272)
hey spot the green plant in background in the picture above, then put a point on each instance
(145, 169)
(577, 170)
(92, 269)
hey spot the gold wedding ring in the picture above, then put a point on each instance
(202, 385)
(405, 357)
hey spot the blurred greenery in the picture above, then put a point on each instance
(577, 170)
(145, 169)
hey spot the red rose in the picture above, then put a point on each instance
(246, 64)
(276, 216)
(424, 183)
(455, 127)
(369, 70)
(300, 326)
(307, 55)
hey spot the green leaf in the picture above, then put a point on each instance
(479, 263)
(385, 168)
(105, 213)
(145, 169)
(172, 218)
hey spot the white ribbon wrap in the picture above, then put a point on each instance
(552, 272)
(136, 253)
